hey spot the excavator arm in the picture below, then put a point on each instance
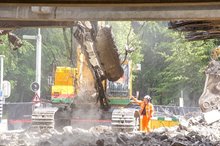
(100, 51)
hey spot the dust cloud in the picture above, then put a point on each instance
(87, 112)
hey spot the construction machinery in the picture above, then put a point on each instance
(64, 88)
(102, 58)
(63, 91)
(210, 98)
(119, 92)
(124, 117)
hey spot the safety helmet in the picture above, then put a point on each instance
(147, 97)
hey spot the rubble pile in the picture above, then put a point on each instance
(193, 132)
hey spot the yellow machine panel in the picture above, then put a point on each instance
(156, 123)
(65, 85)
(65, 76)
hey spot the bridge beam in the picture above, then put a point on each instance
(205, 11)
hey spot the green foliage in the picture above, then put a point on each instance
(18, 69)
(19, 65)
(125, 36)
(185, 69)
(152, 36)
(171, 64)
(53, 51)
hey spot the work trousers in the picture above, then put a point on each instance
(144, 123)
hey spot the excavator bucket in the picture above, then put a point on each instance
(100, 50)
(210, 98)
(107, 53)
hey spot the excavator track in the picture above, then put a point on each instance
(43, 117)
(125, 119)
(210, 98)
(51, 118)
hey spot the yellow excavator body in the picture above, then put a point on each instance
(65, 85)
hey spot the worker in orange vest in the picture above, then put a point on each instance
(146, 112)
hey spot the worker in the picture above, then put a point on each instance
(146, 112)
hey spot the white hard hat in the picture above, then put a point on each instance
(147, 97)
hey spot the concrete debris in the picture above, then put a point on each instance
(212, 116)
(194, 132)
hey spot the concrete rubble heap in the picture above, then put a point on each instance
(191, 132)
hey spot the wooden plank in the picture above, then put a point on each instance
(197, 30)
(194, 25)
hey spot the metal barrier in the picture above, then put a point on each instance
(173, 111)
(1, 107)
(18, 115)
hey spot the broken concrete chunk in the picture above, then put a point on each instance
(212, 116)
(178, 144)
(163, 137)
(68, 130)
(198, 134)
(100, 142)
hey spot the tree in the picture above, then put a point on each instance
(125, 37)
(185, 69)
(171, 64)
(20, 64)
(153, 33)
(17, 68)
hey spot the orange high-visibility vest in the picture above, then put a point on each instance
(148, 108)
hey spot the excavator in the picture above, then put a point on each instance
(99, 49)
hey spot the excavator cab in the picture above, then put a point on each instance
(119, 92)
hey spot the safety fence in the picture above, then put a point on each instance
(175, 110)
(18, 115)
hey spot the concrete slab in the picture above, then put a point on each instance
(3, 125)
(198, 11)
(212, 116)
